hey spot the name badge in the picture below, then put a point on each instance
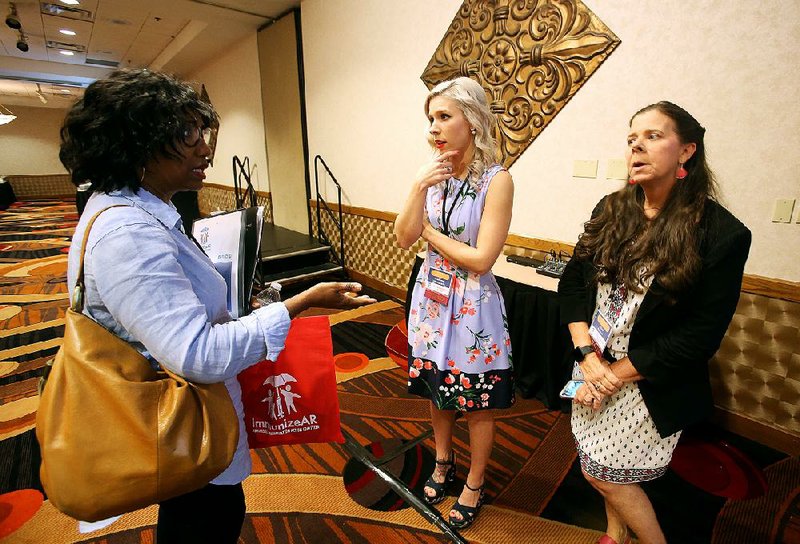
(600, 330)
(440, 284)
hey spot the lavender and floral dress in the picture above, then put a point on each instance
(459, 352)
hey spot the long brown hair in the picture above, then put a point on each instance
(622, 242)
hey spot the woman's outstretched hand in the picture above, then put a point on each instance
(333, 294)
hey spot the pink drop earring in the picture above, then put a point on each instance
(681, 173)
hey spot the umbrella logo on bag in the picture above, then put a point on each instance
(204, 238)
(282, 416)
(280, 388)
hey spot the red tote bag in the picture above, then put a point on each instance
(293, 400)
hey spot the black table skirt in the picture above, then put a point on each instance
(7, 196)
(540, 345)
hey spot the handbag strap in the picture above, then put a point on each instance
(80, 289)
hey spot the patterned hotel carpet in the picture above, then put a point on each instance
(297, 493)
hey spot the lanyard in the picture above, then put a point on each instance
(446, 219)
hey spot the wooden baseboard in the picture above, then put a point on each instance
(759, 285)
(771, 287)
(757, 431)
(356, 210)
(67, 197)
(374, 283)
(230, 189)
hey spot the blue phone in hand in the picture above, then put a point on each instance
(570, 389)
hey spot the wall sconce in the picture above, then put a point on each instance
(5, 115)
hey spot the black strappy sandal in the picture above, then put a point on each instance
(468, 513)
(440, 488)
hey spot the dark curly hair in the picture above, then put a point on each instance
(124, 121)
(622, 241)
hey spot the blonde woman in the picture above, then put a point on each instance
(459, 348)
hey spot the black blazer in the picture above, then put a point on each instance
(671, 343)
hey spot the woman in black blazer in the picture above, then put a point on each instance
(647, 297)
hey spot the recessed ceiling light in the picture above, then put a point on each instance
(67, 53)
(67, 32)
(70, 2)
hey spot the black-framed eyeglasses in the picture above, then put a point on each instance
(193, 133)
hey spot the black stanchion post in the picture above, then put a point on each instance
(431, 514)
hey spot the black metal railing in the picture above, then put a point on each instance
(321, 203)
(241, 191)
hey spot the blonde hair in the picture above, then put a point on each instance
(471, 100)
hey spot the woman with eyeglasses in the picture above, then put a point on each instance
(139, 137)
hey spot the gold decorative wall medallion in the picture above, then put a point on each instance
(531, 56)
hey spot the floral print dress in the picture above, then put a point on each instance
(459, 351)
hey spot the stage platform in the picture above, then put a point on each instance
(288, 256)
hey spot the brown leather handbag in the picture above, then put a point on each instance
(117, 435)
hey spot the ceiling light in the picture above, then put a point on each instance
(67, 32)
(67, 53)
(22, 42)
(67, 12)
(5, 115)
(12, 21)
(78, 48)
(70, 2)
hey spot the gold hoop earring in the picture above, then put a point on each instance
(141, 179)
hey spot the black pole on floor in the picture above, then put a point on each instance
(431, 514)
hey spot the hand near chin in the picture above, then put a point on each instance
(436, 171)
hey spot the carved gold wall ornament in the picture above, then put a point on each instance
(531, 56)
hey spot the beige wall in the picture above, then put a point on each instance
(728, 63)
(29, 144)
(277, 48)
(233, 85)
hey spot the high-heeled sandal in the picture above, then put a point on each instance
(440, 488)
(468, 513)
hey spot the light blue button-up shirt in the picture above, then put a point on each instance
(152, 286)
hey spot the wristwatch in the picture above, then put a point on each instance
(580, 353)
